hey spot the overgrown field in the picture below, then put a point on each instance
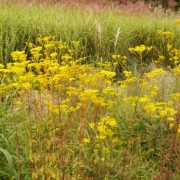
(88, 94)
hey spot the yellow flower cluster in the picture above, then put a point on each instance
(140, 49)
(55, 86)
(119, 59)
(105, 138)
(154, 74)
(177, 22)
(105, 127)
(174, 56)
(160, 60)
(165, 34)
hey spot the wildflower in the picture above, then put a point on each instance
(36, 49)
(1, 66)
(155, 73)
(102, 159)
(86, 140)
(169, 47)
(167, 112)
(144, 99)
(123, 86)
(175, 96)
(95, 161)
(177, 22)
(30, 45)
(171, 125)
(115, 140)
(176, 71)
(140, 49)
(26, 86)
(19, 103)
(91, 125)
(46, 39)
(70, 51)
(165, 34)
(127, 73)
(18, 55)
(53, 55)
(109, 91)
(106, 150)
(76, 43)
(116, 57)
(15, 85)
(108, 74)
(49, 46)
(178, 131)
(150, 108)
(66, 57)
(95, 151)
(170, 119)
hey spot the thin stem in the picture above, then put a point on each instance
(168, 172)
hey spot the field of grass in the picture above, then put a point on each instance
(88, 92)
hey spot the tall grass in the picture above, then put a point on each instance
(103, 31)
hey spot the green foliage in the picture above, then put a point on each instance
(64, 111)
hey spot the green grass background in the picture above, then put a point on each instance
(96, 27)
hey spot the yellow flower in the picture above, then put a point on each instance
(91, 125)
(177, 22)
(54, 54)
(76, 43)
(167, 112)
(165, 34)
(171, 125)
(127, 73)
(26, 86)
(150, 108)
(86, 140)
(19, 103)
(144, 99)
(115, 140)
(1, 66)
(102, 159)
(95, 161)
(169, 47)
(36, 49)
(95, 151)
(109, 91)
(49, 46)
(106, 150)
(178, 131)
(18, 55)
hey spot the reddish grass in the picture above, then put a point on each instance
(117, 6)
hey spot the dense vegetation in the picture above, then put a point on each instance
(173, 4)
(89, 92)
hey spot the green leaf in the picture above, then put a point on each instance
(9, 161)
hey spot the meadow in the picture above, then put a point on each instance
(89, 91)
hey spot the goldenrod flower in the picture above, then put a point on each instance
(86, 140)
(177, 22)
